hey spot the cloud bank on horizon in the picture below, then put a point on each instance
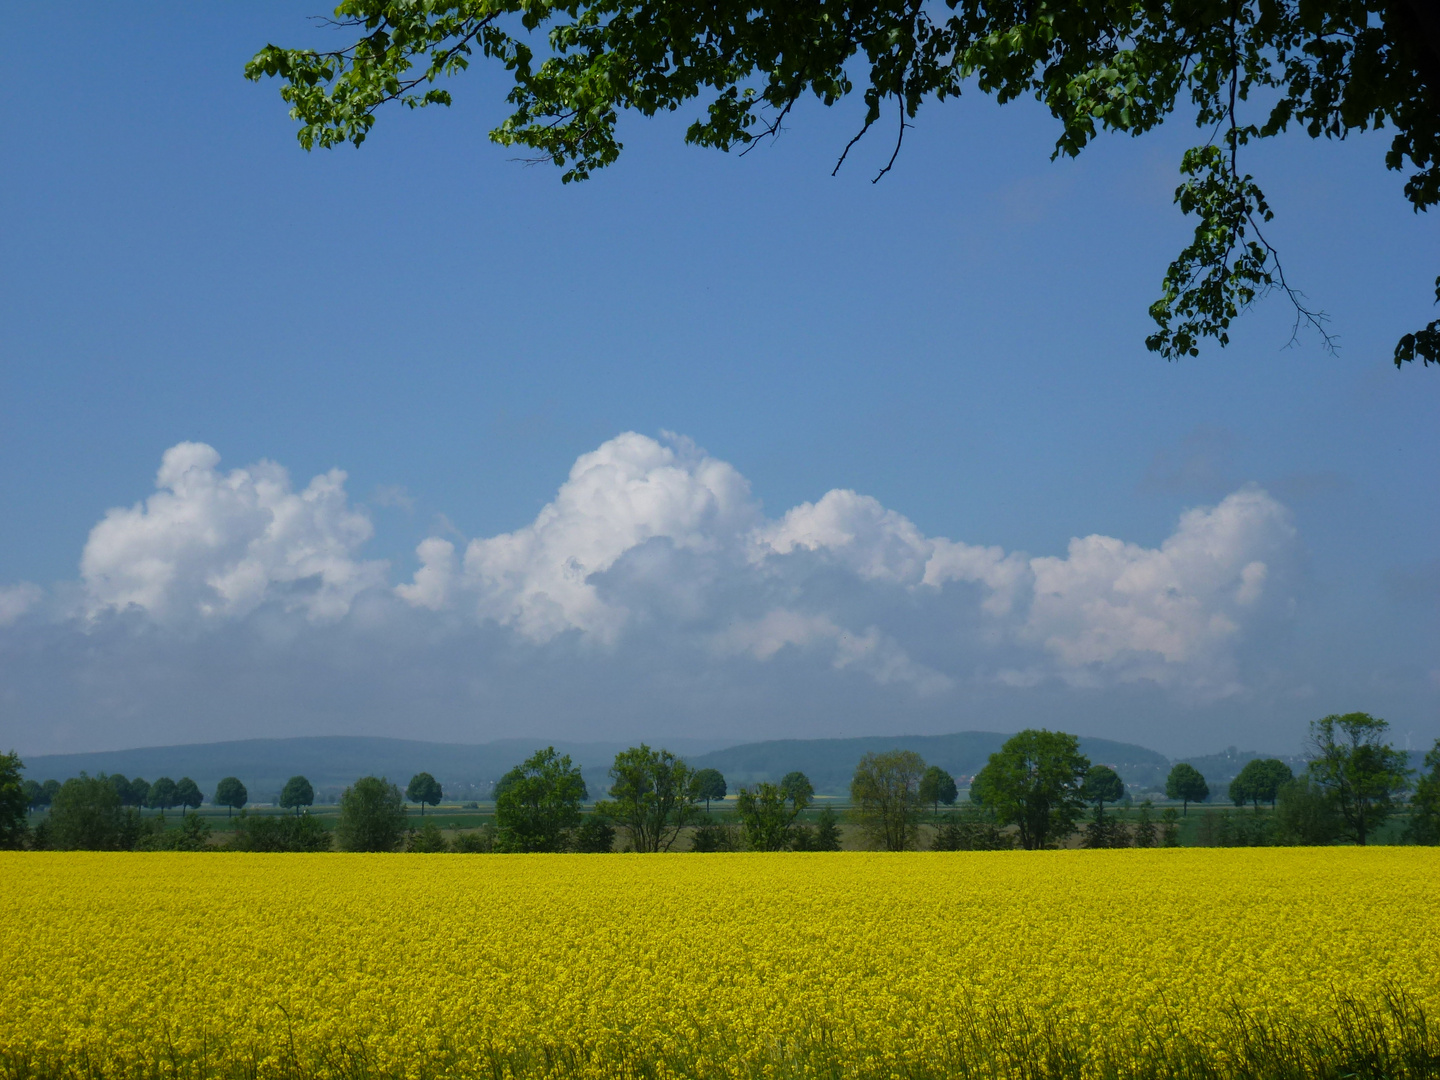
(654, 553)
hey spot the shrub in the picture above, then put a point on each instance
(284, 833)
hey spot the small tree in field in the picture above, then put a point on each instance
(188, 794)
(14, 802)
(297, 793)
(710, 784)
(937, 786)
(424, 789)
(1034, 782)
(1186, 784)
(372, 816)
(162, 795)
(231, 794)
(1260, 781)
(885, 792)
(1102, 785)
(767, 812)
(1361, 772)
(538, 805)
(652, 797)
(1424, 826)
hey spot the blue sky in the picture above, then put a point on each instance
(962, 343)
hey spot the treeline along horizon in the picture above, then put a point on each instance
(1038, 791)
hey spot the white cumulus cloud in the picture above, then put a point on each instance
(654, 547)
(213, 544)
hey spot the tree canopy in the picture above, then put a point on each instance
(1260, 781)
(1035, 782)
(1244, 71)
(1186, 783)
(162, 795)
(372, 816)
(710, 784)
(768, 811)
(885, 792)
(938, 786)
(297, 793)
(188, 793)
(539, 803)
(231, 794)
(423, 788)
(1424, 824)
(1358, 770)
(14, 802)
(652, 797)
(86, 815)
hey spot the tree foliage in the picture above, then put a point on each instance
(539, 803)
(1424, 824)
(972, 828)
(14, 803)
(710, 784)
(262, 832)
(1305, 814)
(423, 788)
(652, 797)
(1361, 772)
(1260, 781)
(938, 786)
(1035, 782)
(1103, 784)
(296, 793)
(767, 812)
(1186, 783)
(885, 792)
(1245, 70)
(372, 816)
(595, 836)
(86, 815)
(188, 793)
(162, 795)
(231, 794)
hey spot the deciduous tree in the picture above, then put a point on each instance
(1186, 784)
(1034, 782)
(710, 784)
(937, 786)
(423, 789)
(86, 815)
(1424, 824)
(539, 803)
(1103, 784)
(162, 795)
(1361, 772)
(1260, 781)
(1305, 814)
(188, 793)
(767, 812)
(1245, 71)
(231, 794)
(885, 792)
(296, 793)
(372, 816)
(652, 797)
(14, 803)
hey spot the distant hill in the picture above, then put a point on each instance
(830, 763)
(330, 762)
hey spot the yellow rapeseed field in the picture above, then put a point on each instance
(697, 965)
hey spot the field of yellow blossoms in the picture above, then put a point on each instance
(834, 965)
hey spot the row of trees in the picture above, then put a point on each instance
(1035, 791)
